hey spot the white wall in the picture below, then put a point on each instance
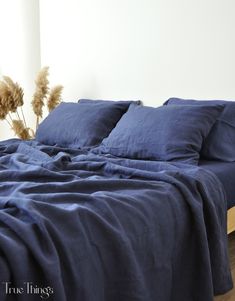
(19, 50)
(140, 49)
(120, 49)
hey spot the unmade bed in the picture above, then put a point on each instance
(100, 228)
(114, 207)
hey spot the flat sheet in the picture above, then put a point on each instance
(225, 171)
(78, 226)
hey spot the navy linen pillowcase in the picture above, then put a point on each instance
(167, 133)
(220, 142)
(82, 124)
(123, 102)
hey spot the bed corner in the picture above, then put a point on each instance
(231, 220)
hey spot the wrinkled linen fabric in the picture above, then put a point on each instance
(101, 228)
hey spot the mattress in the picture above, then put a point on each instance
(225, 171)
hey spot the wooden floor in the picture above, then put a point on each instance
(230, 296)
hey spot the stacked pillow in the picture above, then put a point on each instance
(177, 131)
(82, 124)
(220, 143)
(167, 133)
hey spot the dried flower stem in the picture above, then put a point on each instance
(22, 112)
(37, 122)
(8, 122)
(10, 116)
(17, 113)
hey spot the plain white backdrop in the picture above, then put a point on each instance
(19, 50)
(122, 49)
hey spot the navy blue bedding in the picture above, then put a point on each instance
(166, 133)
(79, 226)
(81, 124)
(219, 144)
(225, 171)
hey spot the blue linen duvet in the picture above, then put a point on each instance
(78, 226)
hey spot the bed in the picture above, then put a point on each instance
(225, 171)
(87, 212)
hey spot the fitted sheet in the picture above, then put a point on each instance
(225, 171)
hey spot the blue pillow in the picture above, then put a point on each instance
(82, 124)
(167, 133)
(220, 143)
(123, 102)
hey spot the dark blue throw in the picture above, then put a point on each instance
(79, 226)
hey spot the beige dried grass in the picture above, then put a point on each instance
(17, 92)
(12, 97)
(54, 97)
(15, 97)
(20, 130)
(7, 101)
(3, 109)
(40, 93)
(3, 113)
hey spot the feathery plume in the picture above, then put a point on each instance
(41, 91)
(54, 97)
(3, 112)
(12, 97)
(3, 109)
(20, 130)
(17, 93)
(6, 98)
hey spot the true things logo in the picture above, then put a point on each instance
(28, 288)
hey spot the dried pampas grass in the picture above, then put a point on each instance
(21, 131)
(12, 97)
(40, 93)
(11, 94)
(54, 97)
(6, 98)
(3, 109)
(16, 92)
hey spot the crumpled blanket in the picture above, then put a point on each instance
(79, 226)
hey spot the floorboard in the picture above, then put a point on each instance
(230, 296)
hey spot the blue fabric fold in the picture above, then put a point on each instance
(101, 228)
